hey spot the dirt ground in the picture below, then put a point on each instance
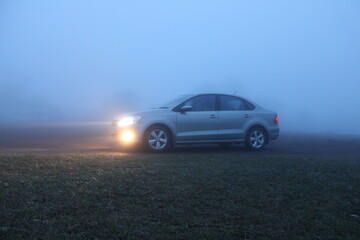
(93, 138)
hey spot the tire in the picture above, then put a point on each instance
(157, 139)
(255, 139)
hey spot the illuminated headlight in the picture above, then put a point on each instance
(128, 121)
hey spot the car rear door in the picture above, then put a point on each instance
(200, 123)
(234, 116)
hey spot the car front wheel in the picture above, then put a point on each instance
(255, 139)
(157, 139)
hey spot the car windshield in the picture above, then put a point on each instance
(176, 101)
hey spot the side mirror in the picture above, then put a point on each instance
(186, 108)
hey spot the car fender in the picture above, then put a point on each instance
(154, 122)
(255, 123)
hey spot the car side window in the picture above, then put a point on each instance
(202, 103)
(229, 103)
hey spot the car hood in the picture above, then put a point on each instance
(143, 113)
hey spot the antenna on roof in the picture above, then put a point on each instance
(235, 93)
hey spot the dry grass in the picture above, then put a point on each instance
(184, 196)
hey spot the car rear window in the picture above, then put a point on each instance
(230, 103)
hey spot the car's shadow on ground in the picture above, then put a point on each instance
(201, 149)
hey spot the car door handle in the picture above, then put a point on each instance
(246, 115)
(212, 116)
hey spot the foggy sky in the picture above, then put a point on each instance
(89, 60)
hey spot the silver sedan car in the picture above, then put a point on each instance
(198, 118)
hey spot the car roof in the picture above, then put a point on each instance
(225, 94)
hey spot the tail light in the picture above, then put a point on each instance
(276, 119)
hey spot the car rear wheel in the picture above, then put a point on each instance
(255, 139)
(157, 139)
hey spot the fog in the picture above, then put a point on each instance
(72, 61)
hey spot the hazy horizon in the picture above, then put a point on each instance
(73, 61)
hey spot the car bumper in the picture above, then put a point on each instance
(274, 133)
(125, 136)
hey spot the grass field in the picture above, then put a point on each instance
(179, 196)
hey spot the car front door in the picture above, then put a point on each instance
(234, 116)
(199, 123)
